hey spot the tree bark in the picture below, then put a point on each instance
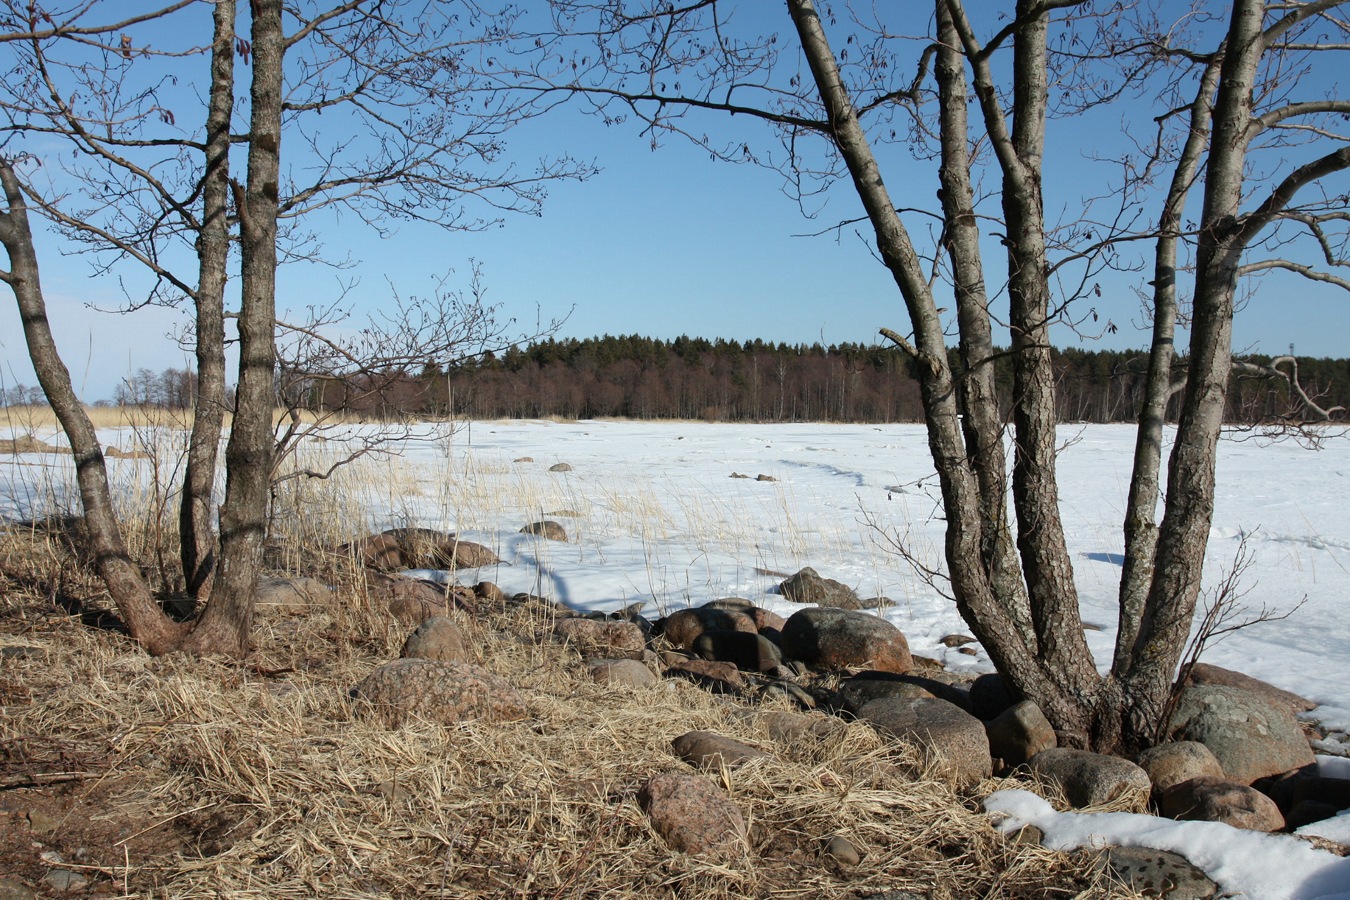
(195, 525)
(147, 622)
(225, 624)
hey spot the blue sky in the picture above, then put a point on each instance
(659, 243)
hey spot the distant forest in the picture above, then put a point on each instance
(726, 380)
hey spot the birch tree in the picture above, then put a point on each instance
(421, 120)
(1258, 140)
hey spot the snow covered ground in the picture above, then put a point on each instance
(655, 517)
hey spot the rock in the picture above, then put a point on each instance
(1204, 673)
(10, 889)
(836, 639)
(989, 696)
(1178, 761)
(682, 627)
(842, 851)
(709, 750)
(546, 529)
(446, 692)
(439, 637)
(789, 729)
(560, 467)
(523, 459)
(377, 551)
(941, 729)
(1091, 779)
(64, 881)
(1019, 733)
(486, 590)
(862, 689)
(607, 637)
(1251, 736)
(748, 652)
(808, 587)
(1158, 873)
(621, 673)
(767, 622)
(718, 677)
(292, 595)
(794, 693)
(468, 555)
(1208, 799)
(410, 600)
(693, 816)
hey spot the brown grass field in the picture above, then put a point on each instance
(177, 777)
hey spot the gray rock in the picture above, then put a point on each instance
(942, 730)
(1216, 800)
(64, 881)
(837, 639)
(1178, 761)
(1091, 779)
(547, 529)
(446, 692)
(1019, 733)
(1251, 736)
(1158, 873)
(622, 673)
(693, 816)
(709, 750)
(604, 637)
(809, 587)
(748, 652)
(439, 637)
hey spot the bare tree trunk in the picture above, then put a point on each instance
(196, 528)
(1140, 530)
(1146, 676)
(225, 625)
(148, 624)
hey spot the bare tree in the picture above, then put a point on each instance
(982, 107)
(418, 89)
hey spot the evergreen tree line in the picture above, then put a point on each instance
(726, 380)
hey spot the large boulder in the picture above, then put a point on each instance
(447, 692)
(834, 639)
(693, 816)
(1091, 779)
(943, 731)
(1204, 673)
(1209, 799)
(807, 586)
(1250, 734)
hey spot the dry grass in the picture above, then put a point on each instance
(178, 777)
(195, 778)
